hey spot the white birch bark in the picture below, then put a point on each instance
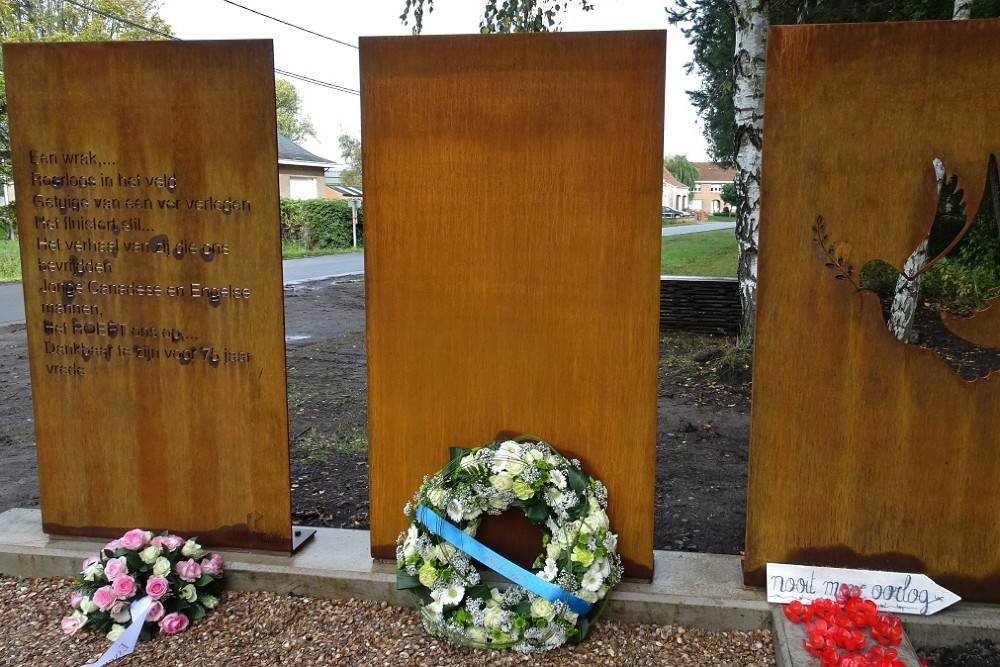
(748, 100)
(905, 299)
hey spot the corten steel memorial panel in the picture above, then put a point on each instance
(146, 180)
(865, 451)
(512, 195)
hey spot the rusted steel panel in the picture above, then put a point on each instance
(865, 451)
(482, 222)
(146, 179)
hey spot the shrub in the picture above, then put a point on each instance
(953, 287)
(293, 224)
(330, 222)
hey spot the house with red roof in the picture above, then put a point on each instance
(675, 193)
(707, 193)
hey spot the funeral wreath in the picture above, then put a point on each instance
(555, 603)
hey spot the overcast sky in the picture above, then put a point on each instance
(334, 112)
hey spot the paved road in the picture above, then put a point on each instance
(702, 227)
(295, 271)
(302, 270)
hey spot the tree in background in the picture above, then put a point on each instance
(350, 150)
(682, 169)
(730, 100)
(58, 21)
(502, 16)
(728, 194)
(290, 123)
(7, 219)
(95, 20)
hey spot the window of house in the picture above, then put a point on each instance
(716, 188)
(301, 187)
(697, 187)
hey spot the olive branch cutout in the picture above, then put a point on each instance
(828, 253)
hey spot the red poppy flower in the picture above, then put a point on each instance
(887, 630)
(861, 612)
(847, 592)
(796, 612)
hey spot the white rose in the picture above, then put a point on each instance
(443, 552)
(502, 481)
(192, 549)
(161, 567)
(515, 467)
(150, 554)
(123, 615)
(87, 605)
(597, 521)
(493, 617)
(531, 455)
(189, 593)
(436, 495)
(476, 635)
(116, 632)
(93, 572)
(552, 550)
(542, 608)
(209, 601)
(584, 594)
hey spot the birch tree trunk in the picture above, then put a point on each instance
(905, 299)
(748, 100)
(963, 10)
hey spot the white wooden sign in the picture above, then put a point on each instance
(896, 592)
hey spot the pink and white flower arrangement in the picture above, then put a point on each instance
(183, 580)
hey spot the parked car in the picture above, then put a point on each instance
(674, 213)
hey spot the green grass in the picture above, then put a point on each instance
(10, 257)
(722, 218)
(10, 261)
(295, 250)
(701, 254)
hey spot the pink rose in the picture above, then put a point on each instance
(134, 539)
(173, 623)
(124, 586)
(90, 561)
(157, 587)
(105, 598)
(188, 570)
(75, 598)
(116, 567)
(113, 545)
(155, 612)
(212, 565)
(70, 624)
(168, 542)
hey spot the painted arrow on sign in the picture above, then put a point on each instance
(898, 592)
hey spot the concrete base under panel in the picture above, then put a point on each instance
(695, 590)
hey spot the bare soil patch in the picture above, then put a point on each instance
(702, 437)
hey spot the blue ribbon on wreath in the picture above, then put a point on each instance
(502, 566)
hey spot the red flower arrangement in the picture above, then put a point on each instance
(835, 630)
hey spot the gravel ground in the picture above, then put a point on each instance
(249, 629)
